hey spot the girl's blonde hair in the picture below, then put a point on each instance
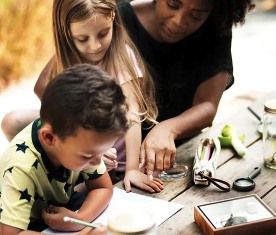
(117, 59)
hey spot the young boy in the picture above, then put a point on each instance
(82, 115)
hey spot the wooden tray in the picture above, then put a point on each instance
(246, 215)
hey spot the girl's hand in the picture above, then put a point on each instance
(138, 179)
(97, 231)
(158, 150)
(109, 159)
(53, 217)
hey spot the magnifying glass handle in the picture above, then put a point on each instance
(254, 173)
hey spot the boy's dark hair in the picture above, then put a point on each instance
(229, 13)
(84, 96)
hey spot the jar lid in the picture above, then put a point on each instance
(270, 106)
(131, 222)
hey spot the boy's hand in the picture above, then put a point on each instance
(98, 231)
(109, 159)
(140, 180)
(53, 217)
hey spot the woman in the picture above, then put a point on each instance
(187, 45)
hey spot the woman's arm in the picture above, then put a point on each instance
(133, 139)
(42, 79)
(158, 147)
(205, 105)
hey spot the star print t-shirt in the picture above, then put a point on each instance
(28, 183)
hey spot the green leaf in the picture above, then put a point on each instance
(275, 143)
(241, 138)
(226, 130)
(226, 141)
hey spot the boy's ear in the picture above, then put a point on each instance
(47, 135)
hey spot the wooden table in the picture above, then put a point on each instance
(230, 168)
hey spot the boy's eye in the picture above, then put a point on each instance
(173, 5)
(86, 158)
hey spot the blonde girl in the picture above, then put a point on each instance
(91, 31)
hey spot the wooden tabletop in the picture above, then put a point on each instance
(230, 168)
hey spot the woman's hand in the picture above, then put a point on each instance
(158, 150)
(138, 179)
(109, 159)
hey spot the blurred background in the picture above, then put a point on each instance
(26, 45)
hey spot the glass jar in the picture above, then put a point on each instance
(269, 134)
(132, 222)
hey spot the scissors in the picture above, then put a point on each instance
(246, 184)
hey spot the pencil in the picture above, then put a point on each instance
(255, 114)
(203, 153)
(80, 222)
(208, 155)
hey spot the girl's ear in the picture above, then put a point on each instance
(47, 135)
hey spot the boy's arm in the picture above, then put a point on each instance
(100, 192)
(133, 139)
(8, 230)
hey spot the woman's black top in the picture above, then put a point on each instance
(180, 67)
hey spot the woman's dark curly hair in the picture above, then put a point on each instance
(228, 13)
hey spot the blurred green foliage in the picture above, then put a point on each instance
(26, 42)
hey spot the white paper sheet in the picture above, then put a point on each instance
(122, 201)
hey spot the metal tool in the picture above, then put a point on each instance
(246, 184)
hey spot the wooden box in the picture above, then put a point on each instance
(247, 215)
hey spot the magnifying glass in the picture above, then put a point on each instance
(246, 184)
